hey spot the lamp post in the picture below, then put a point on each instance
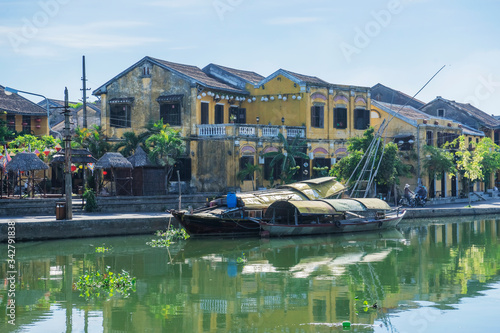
(9, 91)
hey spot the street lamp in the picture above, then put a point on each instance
(10, 91)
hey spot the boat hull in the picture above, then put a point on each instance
(217, 227)
(345, 226)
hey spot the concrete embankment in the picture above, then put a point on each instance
(30, 228)
(431, 212)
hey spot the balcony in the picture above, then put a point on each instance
(249, 130)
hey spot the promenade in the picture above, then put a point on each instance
(29, 228)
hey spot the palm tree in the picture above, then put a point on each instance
(165, 147)
(285, 157)
(249, 170)
(130, 142)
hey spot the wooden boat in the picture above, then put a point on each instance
(239, 214)
(327, 216)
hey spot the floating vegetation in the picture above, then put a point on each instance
(101, 249)
(242, 259)
(97, 284)
(168, 237)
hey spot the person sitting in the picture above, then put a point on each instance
(422, 192)
(408, 193)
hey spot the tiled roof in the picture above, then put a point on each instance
(406, 111)
(16, 104)
(398, 92)
(482, 116)
(198, 75)
(308, 79)
(251, 77)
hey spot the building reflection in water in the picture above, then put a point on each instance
(253, 284)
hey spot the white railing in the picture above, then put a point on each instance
(293, 132)
(246, 130)
(212, 130)
(270, 131)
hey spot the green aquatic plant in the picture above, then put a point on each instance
(97, 284)
(168, 237)
(242, 259)
(101, 249)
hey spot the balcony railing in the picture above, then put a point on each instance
(292, 132)
(212, 130)
(248, 130)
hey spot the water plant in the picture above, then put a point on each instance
(97, 284)
(168, 237)
(101, 249)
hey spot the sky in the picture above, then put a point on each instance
(399, 43)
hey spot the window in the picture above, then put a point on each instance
(430, 138)
(440, 112)
(219, 114)
(204, 113)
(317, 118)
(11, 122)
(440, 139)
(184, 167)
(171, 113)
(237, 115)
(27, 124)
(244, 160)
(361, 119)
(119, 115)
(340, 118)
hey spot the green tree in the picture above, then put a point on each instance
(390, 169)
(285, 157)
(93, 139)
(26, 141)
(165, 147)
(438, 161)
(5, 132)
(249, 170)
(468, 162)
(491, 158)
(130, 142)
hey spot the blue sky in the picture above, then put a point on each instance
(399, 43)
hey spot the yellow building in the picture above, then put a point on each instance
(411, 130)
(232, 117)
(22, 115)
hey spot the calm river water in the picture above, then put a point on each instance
(441, 276)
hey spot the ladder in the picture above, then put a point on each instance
(364, 181)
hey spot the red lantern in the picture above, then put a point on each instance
(105, 173)
(73, 168)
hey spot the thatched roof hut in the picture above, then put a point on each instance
(26, 162)
(77, 156)
(140, 159)
(113, 161)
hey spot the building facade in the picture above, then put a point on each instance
(231, 117)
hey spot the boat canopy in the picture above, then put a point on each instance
(324, 206)
(344, 205)
(374, 203)
(305, 190)
(317, 188)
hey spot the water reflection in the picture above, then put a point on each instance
(253, 285)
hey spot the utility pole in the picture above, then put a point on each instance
(84, 80)
(67, 159)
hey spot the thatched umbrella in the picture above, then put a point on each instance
(26, 162)
(115, 161)
(140, 159)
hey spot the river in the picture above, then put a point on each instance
(434, 276)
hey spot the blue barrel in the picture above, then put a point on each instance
(231, 200)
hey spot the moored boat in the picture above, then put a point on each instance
(239, 214)
(327, 216)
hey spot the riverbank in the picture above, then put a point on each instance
(30, 228)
